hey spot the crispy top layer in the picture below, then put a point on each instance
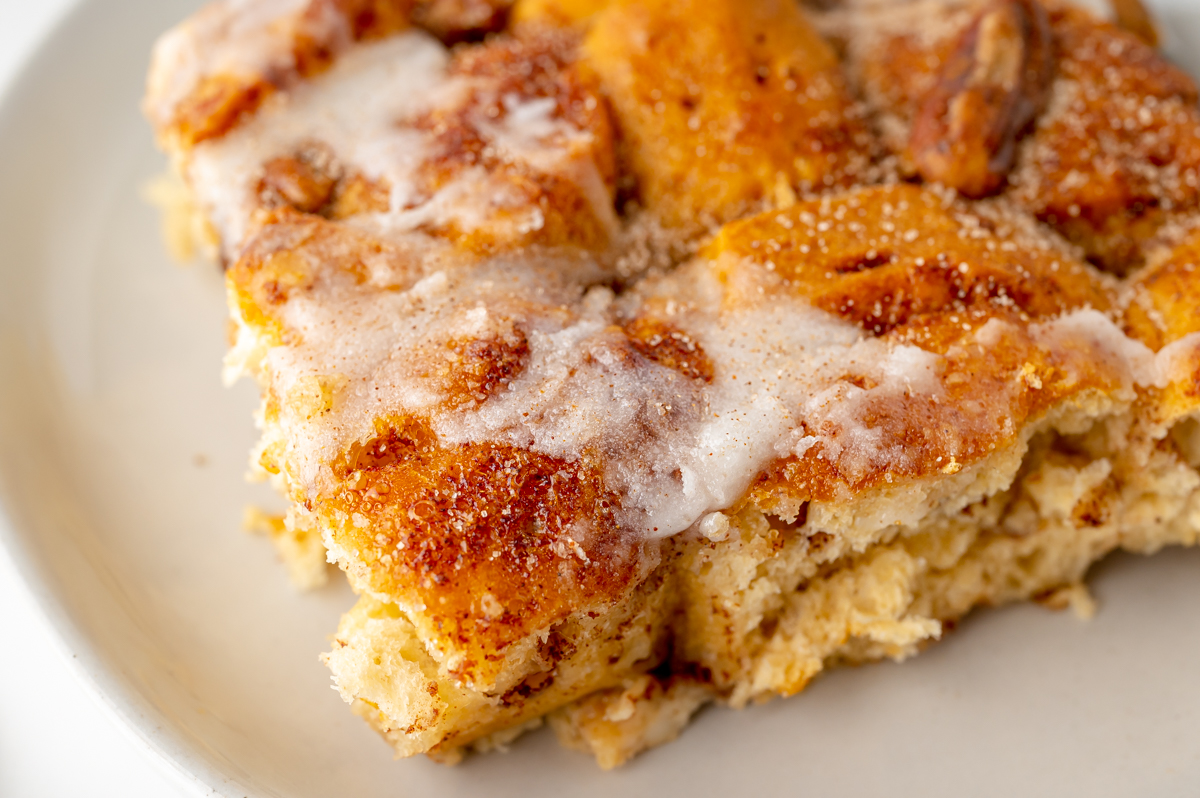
(723, 105)
(893, 257)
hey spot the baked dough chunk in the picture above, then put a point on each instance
(566, 490)
(502, 145)
(723, 106)
(224, 62)
(1108, 149)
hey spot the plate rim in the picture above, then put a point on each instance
(157, 739)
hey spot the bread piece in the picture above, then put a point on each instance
(670, 412)
(723, 106)
(399, 136)
(566, 488)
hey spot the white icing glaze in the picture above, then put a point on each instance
(246, 38)
(363, 109)
(675, 449)
(353, 109)
(1095, 331)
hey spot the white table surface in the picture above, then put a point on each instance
(56, 739)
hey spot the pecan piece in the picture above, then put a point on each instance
(304, 180)
(988, 92)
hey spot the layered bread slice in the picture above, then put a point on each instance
(618, 371)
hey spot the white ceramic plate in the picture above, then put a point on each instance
(121, 462)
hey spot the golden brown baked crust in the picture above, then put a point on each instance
(606, 462)
(701, 91)
(935, 280)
